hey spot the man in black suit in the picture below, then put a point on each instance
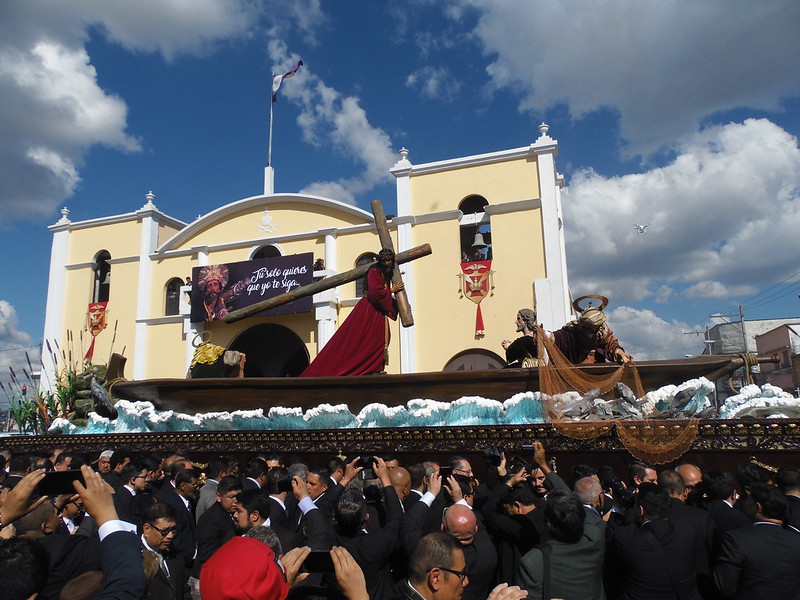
(760, 561)
(720, 489)
(788, 480)
(279, 488)
(134, 478)
(699, 520)
(417, 473)
(19, 466)
(216, 526)
(163, 567)
(180, 498)
(512, 519)
(255, 475)
(373, 550)
(654, 557)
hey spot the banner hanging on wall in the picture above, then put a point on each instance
(96, 321)
(476, 284)
(220, 289)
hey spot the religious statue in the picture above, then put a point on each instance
(360, 345)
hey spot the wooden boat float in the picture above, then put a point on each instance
(192, 396)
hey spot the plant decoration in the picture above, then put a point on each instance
(35, 406)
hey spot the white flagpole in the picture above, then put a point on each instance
(269, 152)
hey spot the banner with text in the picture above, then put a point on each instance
(220, 289)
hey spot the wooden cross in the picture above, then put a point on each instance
(403, 308)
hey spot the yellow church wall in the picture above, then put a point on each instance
(287, 218)
(165, 232)
(506, 181)
(122, 240)
(444, 321)
(167, 357)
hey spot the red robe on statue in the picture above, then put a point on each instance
(358, 346)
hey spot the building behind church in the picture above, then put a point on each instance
(494, 222)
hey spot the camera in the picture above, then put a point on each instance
(493, 455)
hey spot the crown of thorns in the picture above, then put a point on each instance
(213, 272)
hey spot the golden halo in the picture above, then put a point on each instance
(576, 303)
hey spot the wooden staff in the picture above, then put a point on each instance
(321, 285)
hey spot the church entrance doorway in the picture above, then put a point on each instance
(272, 351)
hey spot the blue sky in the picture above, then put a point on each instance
(680, 115)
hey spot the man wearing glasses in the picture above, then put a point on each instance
(163, 570)
(134, 476)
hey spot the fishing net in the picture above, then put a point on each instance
(647, 440)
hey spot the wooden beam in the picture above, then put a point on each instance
(403, 307)
(321, 285)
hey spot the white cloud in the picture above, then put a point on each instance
(662, 65)
(52, 108)
(648, 337)
(715, 289)
(327, 118)
(14, 344)
(728, 190)
(435, 83)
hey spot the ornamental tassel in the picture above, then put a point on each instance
(480, 330)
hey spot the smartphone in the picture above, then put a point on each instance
(319, 562)
(58, 482)
(285, 485)
(445, 472)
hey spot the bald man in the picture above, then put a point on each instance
(459, 521)
(401, 482)
(693, 482)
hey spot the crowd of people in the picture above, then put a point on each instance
(163, 527)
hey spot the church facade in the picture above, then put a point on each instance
(494, 223)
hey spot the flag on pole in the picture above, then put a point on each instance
(277, 80)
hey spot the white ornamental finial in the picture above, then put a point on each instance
(149, 196)
(64, 215)
(403, 162)
(544, 128)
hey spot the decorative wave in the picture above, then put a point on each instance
(523, 408)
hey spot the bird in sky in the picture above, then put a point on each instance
(640, 228)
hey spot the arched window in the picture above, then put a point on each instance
(364, 259)
(268, 251)
(476, 232)
(172, 296)
(101, 287)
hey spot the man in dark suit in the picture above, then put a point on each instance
(134, 478)
(19, 466)
(461, 523)
(255, 475)
(417, 473)
(371, 550)
(788, 480)
(699, 520)
(760, 561)
(180, 498)
(655, 557)
(163, 567)
(512, 519)
(590, 493)
(720, 489)
(216, 526)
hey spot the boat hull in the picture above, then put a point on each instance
(192, 396)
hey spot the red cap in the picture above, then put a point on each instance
(243, 569)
